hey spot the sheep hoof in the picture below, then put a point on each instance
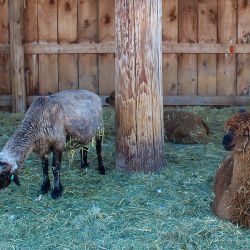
(84, 165)
(45, 187)
(101, 170)
(55, 194)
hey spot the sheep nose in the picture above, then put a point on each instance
(227, 140)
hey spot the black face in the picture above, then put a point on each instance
(228, 141)
(6, 179)
(111, 100)
(108, 100)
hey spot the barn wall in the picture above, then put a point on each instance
(69, 44)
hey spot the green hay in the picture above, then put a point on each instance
(168, 210)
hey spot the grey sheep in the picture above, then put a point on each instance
(48, 123)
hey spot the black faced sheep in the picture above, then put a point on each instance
(74, 114)
(232, 181)
(179, 126)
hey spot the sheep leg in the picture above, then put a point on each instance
(46, 183)
(84, 157)
(101, 168)
(56, 167)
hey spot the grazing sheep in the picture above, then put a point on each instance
(232, 181)
(180, 126)
(74, 114)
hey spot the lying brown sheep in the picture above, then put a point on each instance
(232, 180)
(180, 126)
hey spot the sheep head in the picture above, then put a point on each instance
(111, 99)
(7, 175)
(237, 133)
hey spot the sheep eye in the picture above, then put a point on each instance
(246, 132)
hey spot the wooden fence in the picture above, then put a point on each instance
(69, 44)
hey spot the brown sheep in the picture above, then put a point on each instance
(232, 180)
(222, 178)
(180, 126)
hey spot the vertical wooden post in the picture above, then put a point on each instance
(17, 55)
(139, 101)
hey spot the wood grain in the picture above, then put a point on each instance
(226, 71)
(169, 34)
(17, 56)
(67, 33)
(106, 33)
(5, 85)
(207, 33)
(47, 33)
(139, 106)
(31, 73)
(243, 60)
(187, 64)
(87, 33)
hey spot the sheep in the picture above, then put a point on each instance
(222, 179)
(232, 180)
(179, 126)
(49, 122)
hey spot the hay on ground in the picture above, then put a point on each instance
(168, 210)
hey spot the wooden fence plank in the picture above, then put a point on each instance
(47, 21)
(5, 86)
(48, 74)
(4, 23)
(31, 36)
(31, 74)
(67, 33)
(30, 32)
(17, 56)
(67, 21)
(87, 32)
(207, 33)
(243, 61)
(68, 73)
(226, 71)
(187, 64)
(106, 62)
(47, 33)
(170, 34)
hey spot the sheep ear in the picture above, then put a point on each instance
(14, 177)
(242, 110)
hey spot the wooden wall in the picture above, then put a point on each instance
(69, 44)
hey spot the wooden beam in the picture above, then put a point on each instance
(205, 48)
(6, 100)
(206, 100)
(73, 48)
(139, 102)
(4, 49)
(31, 99)
(17, 55)
(109, 48)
